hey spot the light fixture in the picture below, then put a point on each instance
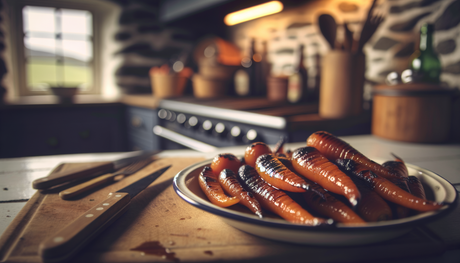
(254, 12)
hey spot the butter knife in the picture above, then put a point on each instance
(86, 171)
(103, 179)
(69, 240)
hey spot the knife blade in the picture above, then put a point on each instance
(105, 179)
(87, 171)
(69, 240)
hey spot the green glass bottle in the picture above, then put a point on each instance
(425, 63)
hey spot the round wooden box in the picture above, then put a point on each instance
(412, 112)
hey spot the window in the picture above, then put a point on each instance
(61, 43)
(58, 47)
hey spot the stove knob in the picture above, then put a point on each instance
(252, 136)
(171, 116)
(207, 126)
(192, 122)
(162, 114)
(181, 118)
(236, 133)
(220, 129)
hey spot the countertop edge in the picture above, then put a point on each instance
(49, 101)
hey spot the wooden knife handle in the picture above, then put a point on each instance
(74, 236)
(88, 185)
(80, 172)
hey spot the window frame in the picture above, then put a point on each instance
(17, 47)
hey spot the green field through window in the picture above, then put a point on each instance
(42, 73)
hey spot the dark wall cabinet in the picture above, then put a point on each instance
(61, 129)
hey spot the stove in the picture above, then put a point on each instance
(205, 124)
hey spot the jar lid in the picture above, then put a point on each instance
(412, 89)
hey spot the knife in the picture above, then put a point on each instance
(104, 179)
(86, 171)
(69, 240)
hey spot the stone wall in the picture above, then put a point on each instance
(388, 50)
(146, 42)
(399, 35)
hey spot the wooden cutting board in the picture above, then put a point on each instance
(161, 227)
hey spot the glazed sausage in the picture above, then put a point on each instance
(416, 187)
(413, 183)
(253, 152)
(334, 148)
(393, 193)
(276, 200)
(310, 163)
(399, 168)
(225, 161)
(274, 172)
(327, 205)
(230, 183)
(389, 191)
(211, 187)
(372, 207)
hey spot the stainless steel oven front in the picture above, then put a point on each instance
(203, 128)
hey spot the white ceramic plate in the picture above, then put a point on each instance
(186, 186)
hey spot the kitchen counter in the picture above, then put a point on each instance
(138, 100)
(17, 174)
(52, 101)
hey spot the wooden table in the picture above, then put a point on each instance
(161, 227)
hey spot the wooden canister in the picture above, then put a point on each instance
(208, 88)
(168, 85)
(277, 88)
(419, 113)
(342, 80)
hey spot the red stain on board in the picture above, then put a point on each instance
(209, 252)
(155, 248)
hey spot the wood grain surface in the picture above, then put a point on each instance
(423, 119)
(161, 227)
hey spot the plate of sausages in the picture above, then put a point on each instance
(325, 193)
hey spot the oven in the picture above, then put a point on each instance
(204, 125)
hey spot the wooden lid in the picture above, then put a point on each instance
(412, 89)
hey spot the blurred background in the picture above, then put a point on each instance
(159, 74)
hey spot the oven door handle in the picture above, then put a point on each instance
(183, 140)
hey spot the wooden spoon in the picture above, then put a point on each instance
(348, 42)
(368, 29)
(328, 28)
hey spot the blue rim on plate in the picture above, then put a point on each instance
(186, 186)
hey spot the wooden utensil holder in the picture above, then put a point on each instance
(419, 113)
(342, 80)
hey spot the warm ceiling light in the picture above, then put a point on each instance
(254, 12)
